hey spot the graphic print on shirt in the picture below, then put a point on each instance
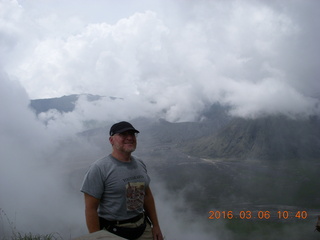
(135, 195)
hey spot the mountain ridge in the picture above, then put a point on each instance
(220, 135)
(267, 138)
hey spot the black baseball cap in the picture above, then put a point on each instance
(121, 127)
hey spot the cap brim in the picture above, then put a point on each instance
(127, 129)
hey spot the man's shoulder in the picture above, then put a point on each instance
(102, 166)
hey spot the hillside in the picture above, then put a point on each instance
(271, 138)
(61, 104)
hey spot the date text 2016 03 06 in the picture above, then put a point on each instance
(263, 215)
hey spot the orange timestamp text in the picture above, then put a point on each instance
(263, 215)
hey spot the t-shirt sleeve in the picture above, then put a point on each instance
(93, 183)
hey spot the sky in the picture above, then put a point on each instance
(161, 59)
(174, 57)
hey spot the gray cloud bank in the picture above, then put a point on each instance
(258, 56)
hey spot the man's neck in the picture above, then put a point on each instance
(123, 157)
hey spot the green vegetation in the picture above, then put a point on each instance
(17, 235)
(30, 236)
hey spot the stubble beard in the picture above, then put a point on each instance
(126, 149)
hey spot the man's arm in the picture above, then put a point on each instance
(91, 211)
(150, 209)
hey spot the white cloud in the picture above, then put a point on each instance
(171, 48)
(272, 96)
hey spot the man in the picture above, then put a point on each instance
(117, 193)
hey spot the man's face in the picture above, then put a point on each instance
(124, 142)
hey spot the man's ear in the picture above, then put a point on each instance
(111, 140)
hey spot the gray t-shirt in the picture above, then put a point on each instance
(120, 186)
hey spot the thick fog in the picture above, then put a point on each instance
(158, 59)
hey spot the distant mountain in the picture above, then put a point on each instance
(272, 138)
(61, 104)
(214, 119)
(218, 135)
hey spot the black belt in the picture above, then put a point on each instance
(131, 220)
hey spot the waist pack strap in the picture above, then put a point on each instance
(125, 232)
(115, 222)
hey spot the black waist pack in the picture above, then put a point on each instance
(127, 233)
